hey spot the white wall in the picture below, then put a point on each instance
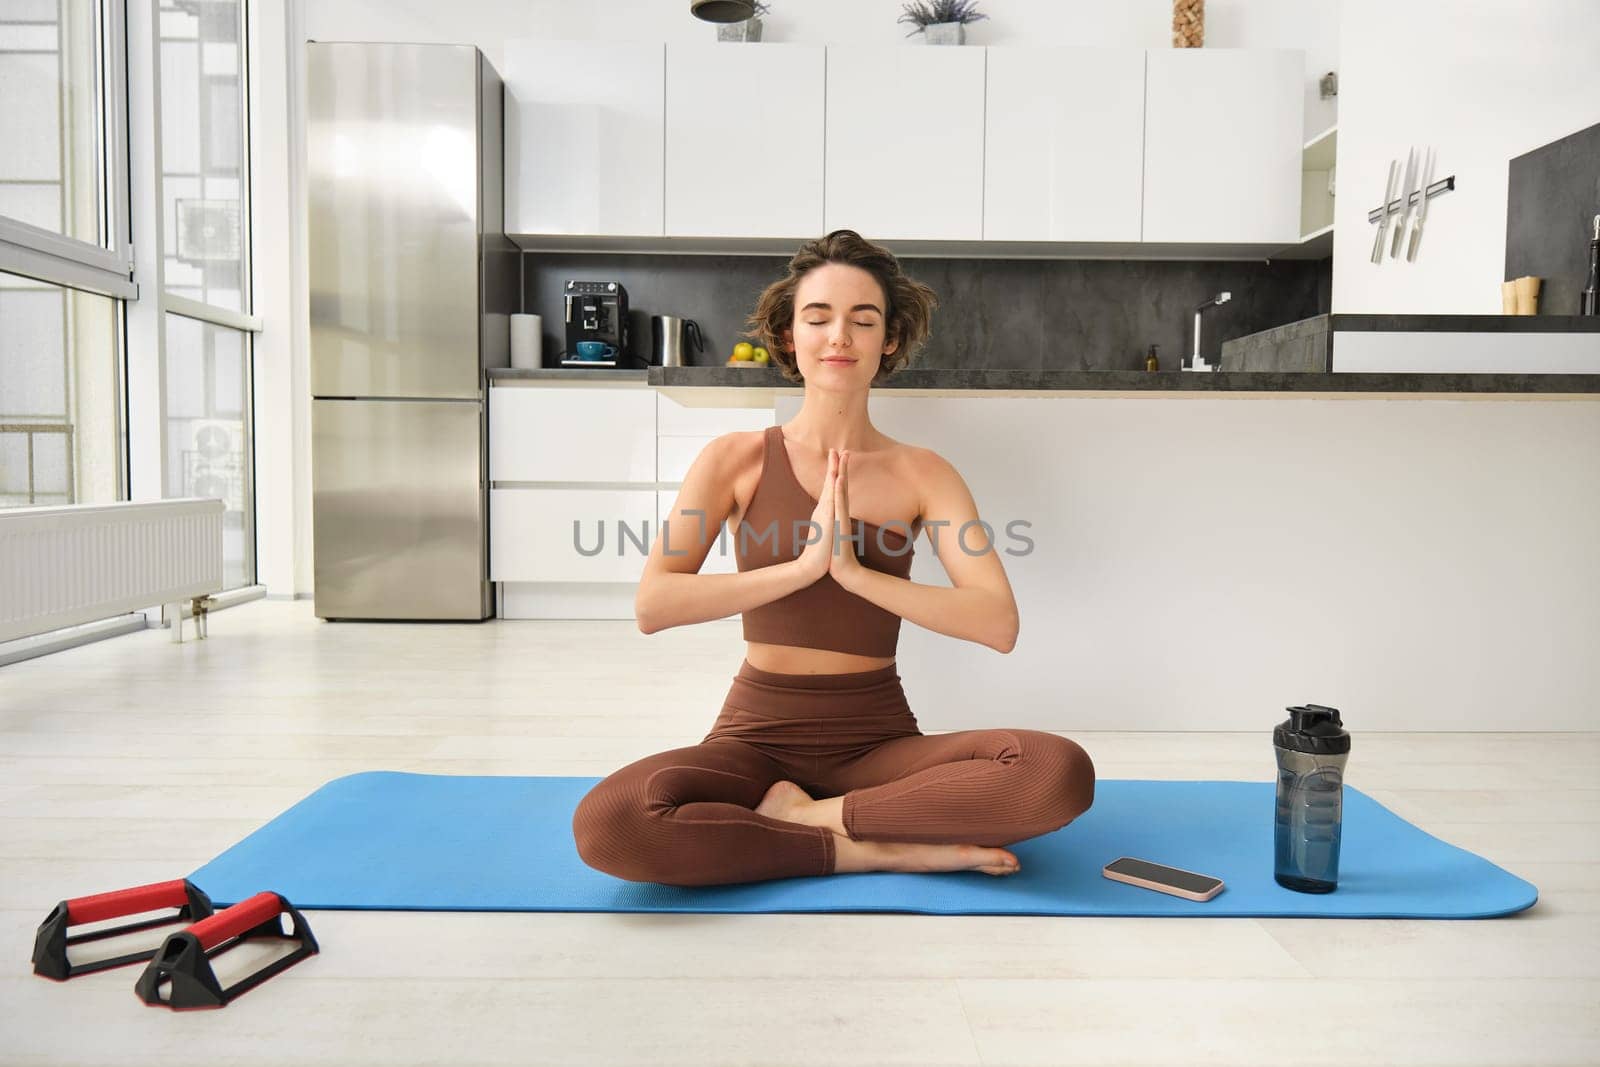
(145, 323)
(1482, 82)
(282, 360)
(280, 364)
(284, 559)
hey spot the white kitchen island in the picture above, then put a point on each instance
(1183, 559)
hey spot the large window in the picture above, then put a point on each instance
(63, 252)
(205, 266)
(74, 316)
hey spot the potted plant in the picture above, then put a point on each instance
(746, 30)
(941, 21)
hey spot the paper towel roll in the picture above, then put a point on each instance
(525, 342)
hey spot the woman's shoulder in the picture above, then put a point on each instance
(938, 485)
(735, 448)
(732, 459)
(740, 458)
(927, 473)
(918, 461)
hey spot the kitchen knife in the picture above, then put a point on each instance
(1405, 204)
(1383, 220)
(1422, 210)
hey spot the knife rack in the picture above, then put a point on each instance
(1395, 207)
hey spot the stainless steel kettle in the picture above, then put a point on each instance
(670, 337)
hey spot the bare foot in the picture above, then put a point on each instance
(921, 859)
(786, 801)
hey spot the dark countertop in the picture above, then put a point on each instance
(1467, 323)
(959, 379)
(956, 379)
(1309, 345)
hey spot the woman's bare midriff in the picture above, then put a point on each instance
(791, 659)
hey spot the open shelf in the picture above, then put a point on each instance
(1317, 160)
(1320, 151)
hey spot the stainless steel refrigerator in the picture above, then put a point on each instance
(411, 284)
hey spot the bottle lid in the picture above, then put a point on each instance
(1312, 728)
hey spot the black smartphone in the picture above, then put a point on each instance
(1163, 879)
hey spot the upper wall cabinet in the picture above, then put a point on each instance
(905, 142)
(1108, 147)
(1064, 152)
(1223, 138)
(744, 140)
(584, 137)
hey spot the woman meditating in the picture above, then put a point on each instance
(816, 764)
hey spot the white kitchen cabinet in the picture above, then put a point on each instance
(1064, 144)
(905, 142)
(532, 539)
(744, 143)
(572, 434)
(584, 136)
(673, 418)
(1223, 139)
(591, 437)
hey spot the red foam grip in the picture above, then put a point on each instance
(231, 922)
(126, 902)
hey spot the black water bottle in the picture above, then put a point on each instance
(1312, 748)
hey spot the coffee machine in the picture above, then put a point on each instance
(596, 324)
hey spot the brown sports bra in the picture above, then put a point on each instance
(823, 614)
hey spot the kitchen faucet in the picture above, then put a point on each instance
(1197, 363)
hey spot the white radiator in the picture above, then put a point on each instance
(62, 566)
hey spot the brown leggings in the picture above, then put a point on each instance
(686, 817)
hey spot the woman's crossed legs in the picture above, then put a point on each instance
(921, 803)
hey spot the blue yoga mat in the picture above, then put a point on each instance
(453, 843)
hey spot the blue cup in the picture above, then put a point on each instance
(595, 350)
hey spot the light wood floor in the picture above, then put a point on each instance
(134, 760)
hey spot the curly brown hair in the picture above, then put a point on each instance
(907, 317)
